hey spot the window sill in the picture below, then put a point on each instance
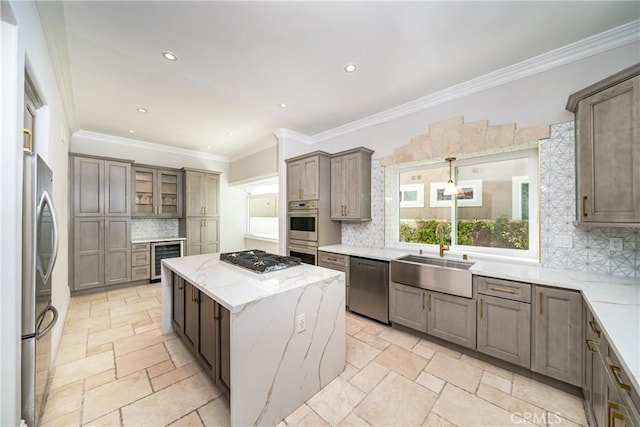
(261, 238)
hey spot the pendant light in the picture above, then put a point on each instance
(451, 189)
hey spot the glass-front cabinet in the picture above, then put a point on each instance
(157, 193)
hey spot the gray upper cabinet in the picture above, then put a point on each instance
(201, 193)
(608, 149)
(158, 193)
(88, 187)
(407, 306)
(557, 334)
(303, 176)
(351, 185)
(117, 188)
(452, 318)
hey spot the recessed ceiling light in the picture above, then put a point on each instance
(208, 147)
(141, 110)
(132, 131)
(230, 133)
(283, 105)
(350, 68)
(169, 56)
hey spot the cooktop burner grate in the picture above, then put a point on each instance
(260, 261)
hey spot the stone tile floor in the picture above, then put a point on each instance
(114, 368)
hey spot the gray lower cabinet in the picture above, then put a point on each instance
(504, 329)
(557, 334)
(407, 306)
(117, 251)
(337, 262)
(191, 316)
(202, 235)
(452, 318)
(177, 303)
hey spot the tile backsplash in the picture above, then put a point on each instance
(150, 228)
(589, 249)
(589, 245)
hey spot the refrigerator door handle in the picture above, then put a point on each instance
(43, 332)
(46, 200)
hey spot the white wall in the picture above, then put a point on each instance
(256, 166)
(23, 45)
(232, 200)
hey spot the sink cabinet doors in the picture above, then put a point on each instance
(407, 306)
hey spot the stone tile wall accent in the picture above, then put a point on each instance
(151, 228)
(454, 137)
(590, 244)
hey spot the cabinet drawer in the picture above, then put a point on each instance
(140, 273)
(501, 288)
(621, 378)
(337, 260)
(140, 247)
(140, 259)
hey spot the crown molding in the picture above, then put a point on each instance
(282, 133)
(136, 143)
(607, 40)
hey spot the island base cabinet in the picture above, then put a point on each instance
(504, 329)
(191, 316)
(407, 306)
(177, 303)
(207, 335)
(223, 377)
(452, 318)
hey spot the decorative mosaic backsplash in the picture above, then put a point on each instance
(590, 244)
(151, 228)
(371, 233)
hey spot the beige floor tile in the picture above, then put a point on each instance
(171, 403)
(154, 289)
(71, 353)
(396, 401)
(512, 404)
(399, 338)
(72, 419)
(140, 341)
(465, 409)
(216, 413)
(354, 420)
(190, 420)
(140, 359)
(172, 377)
(63, 400)
(430, 382)
(375, 329)
(121, 293)
(334, 402)
(359, 353)
(296, 416)
(555, 420)
(109, 397)
(434, 420)
(138, 307)
(109, 336)
(180, 354)
(79, 311)
(496, 382)
(440, 349)
(402, 361)
(155, 313)
(81, 369)
(110, 420)
(496, 370)
(372, 340)
(97, 306)
(74, 338)
(557, 401)
(312, 420)
(130, 318)
(160, 368)
(92, 324)
(369, 376)
(349, 372)
(454, 371)
(101, 348)
(100, 379)
(353, 325)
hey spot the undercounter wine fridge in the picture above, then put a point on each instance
(39, 251)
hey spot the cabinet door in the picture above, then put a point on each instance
(609, 154)
(557, 334)
(352, 185)
(407, 306)
(177, 307)
(210, 236)
(337, 179)
(169, 192)
(504, 329)
(145, 188)
(195, 236)
(224, 347)
(452, 318)
(191, 321)
(194, 188)
(310, 182)
(88, 253)
(117, 188)
(294, 181)
(207, 335)
(88, 187)
(210, 194)
(596, 378)
(117, 251)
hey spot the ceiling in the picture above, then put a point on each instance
(238, 61)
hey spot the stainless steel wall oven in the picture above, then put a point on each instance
(302, 219)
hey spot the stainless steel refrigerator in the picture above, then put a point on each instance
(39, 251)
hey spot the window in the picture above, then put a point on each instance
(262, 208)
(496, 213)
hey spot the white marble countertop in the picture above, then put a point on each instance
(234, 287)
(613, 300)
(156, 239)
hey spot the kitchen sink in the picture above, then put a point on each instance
(436, 274)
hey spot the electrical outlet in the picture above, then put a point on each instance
(615, 244)
(301, 323)
(563, 242)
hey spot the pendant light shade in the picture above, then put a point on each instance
(451, 189)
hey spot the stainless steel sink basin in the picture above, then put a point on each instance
(442, 275)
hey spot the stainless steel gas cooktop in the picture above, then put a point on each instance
(260, 261)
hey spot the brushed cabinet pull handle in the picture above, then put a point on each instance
(540, 303)
(481, 309)
(584, 206)
(595, 328)
(205, 210)
(613, 413)
(505, 290)
(590, 346)
(423, 300)
(205, 222)
(28, 145)
(616, 370)
(429, 302)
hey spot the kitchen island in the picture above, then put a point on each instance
(274, 365)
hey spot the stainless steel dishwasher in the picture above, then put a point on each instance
(369, 288)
